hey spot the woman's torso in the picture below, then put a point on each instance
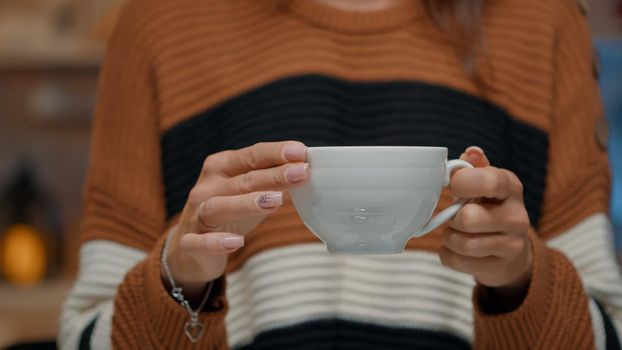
(230, 74)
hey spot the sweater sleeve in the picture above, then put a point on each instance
(573, 255)
(146, 317)
(124, 204)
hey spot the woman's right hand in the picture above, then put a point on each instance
(234, 193)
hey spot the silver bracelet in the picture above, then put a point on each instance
(193, 328)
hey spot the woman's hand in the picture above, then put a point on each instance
(234, 193)
(488, 237)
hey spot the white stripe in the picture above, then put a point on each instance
(598, 326)
(289, 285)
(100, 338)
(589, 245)
(103, 265)
(300, 283)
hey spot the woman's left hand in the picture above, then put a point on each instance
(488, 238)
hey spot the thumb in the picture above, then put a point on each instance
(475, 156)
(211, 242)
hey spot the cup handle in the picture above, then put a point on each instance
(449, 212)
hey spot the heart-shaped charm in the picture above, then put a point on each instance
(194, 331)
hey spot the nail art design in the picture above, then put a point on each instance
(270, 200)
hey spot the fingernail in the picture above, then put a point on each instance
(474, 153)
(297, 172)
(270, 200)
(295, 152)
(232, 242)
(475, 149)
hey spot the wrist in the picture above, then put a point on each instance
(193, 287)
(503, 299)
(192, 290)
(508, 297)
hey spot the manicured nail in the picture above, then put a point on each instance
(232, 242)
(295, 152)
(270, 200)
(297, 172)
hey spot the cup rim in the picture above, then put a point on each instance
(422, 148)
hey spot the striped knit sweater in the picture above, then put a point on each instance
(186, 78)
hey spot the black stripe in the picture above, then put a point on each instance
(341, 334)
(85, 338)
(611, 336)
(324, 111)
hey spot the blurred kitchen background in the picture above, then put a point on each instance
(50, 53)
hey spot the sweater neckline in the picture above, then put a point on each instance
(361, 22)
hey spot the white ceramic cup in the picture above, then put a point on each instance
(372, 200)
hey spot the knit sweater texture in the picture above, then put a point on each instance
(187, 78)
